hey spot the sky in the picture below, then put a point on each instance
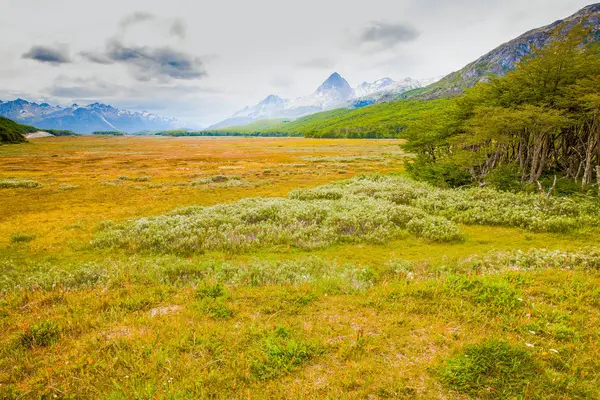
(200, 61)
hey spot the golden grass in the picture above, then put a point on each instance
(90, 167)
(377, 323)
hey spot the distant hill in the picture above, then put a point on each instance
(84, 119)
(12, 132)
(385, 120)
(503, 58)
(333, 93)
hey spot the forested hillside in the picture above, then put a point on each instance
(541, 120)
(11, 132)
(386, 120)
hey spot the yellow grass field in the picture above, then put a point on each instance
(354, 319)
(90, 179)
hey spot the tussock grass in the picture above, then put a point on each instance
(490, 370)
(221, 181)
(21, 237)
(19, 184)
(41, 334)
(280, 353)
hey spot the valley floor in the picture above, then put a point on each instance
(94, 306)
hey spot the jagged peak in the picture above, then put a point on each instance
(272, 99)
(335, 81)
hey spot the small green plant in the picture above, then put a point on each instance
(20, 237)
(491, 370)
(280, 354)
(210, 291)
(43, 334)
(220, 310)
(145, 178)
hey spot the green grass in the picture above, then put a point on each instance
(40, 335)
(279, 354)
(259, 126)
(508, 311)
(493, 370)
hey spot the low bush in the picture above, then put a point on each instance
(364, 209)
(19, 184)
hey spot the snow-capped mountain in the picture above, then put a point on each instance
(366, 88)
(335, 92)
(84, 119)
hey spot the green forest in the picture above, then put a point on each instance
(12, 132)
(539, 122)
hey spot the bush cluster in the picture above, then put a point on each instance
(364, 209)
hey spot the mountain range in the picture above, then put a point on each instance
(334, 92)
(84, 119)
(503, 59)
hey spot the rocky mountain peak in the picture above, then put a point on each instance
(336, 83)
(272, 99)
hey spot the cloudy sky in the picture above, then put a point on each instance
(200, 60)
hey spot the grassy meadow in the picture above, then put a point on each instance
(251, 268)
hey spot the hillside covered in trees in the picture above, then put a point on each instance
(12, 132)
(543, 119)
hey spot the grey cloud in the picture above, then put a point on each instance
(82, 88)
(178, 29)
(135, 18)
(50, 55)
(94, 89)
(319, 62)
(97, 58)
(147, 63)
(388, 34)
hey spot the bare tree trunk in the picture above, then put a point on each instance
(598, 176)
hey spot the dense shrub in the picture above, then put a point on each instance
(505, 177)
(364, 209)
(441, 174)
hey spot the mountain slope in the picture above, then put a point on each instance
(12, 132)
(334, 92)
(83, 119)
(504, 58)
(384, 120)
